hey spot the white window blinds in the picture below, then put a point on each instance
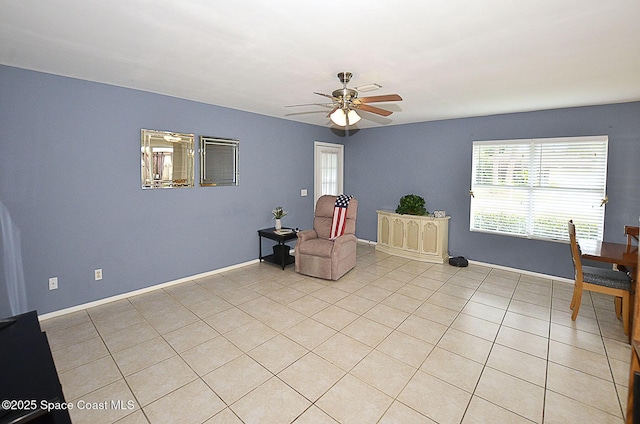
(531, 188)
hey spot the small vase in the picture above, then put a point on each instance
(278, 224)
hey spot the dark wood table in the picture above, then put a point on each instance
(613, 253)
(281, 254)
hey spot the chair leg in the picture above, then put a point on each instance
(575, 304)
(618, 303)
(573, 298)
(626, 312)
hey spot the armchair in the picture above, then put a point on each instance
(319, 256)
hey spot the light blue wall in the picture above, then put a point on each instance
(433, 159)
(70, 178)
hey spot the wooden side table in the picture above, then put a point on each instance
(284, 258)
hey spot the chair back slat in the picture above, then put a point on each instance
(576, 253)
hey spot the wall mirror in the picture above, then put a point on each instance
(167, 159)
(218, 161)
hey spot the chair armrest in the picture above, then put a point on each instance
(305, 235)
(345, 238)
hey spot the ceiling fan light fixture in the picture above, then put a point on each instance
(344, 117)
(353, 117)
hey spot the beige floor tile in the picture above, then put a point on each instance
(482, 412)
(456, 286)
(190, 336)
(210, 355)
(620, 371)
(118, 321)
(311, 376)
(237, 295)
(496, 289)
(399, 413)
(375, 293)
(236, 378)
(356, 304)
(107, 404)
(69, 320)
(402, 302)
(79, 354)
(535, 326)
(454, 369)
(271, 403)
(278, 353)
(422, 329)
(172, 319)
(282, 318)
(582, 323)
(383, 372)
(308, 305)
(60, 338)
(523, 341)
(334, 317)
(160, 379)
(209, 306)
(427, 283)
(367, 331)
(155, 303)
(309, 333)
(540, 299)
(259, 306)
(386, 315)
(143, 355)
(343, 351)
(434, 398)
(250, 335)
(485, 312)
(476, 326)
(518, 364)
(192, 403)
(491, 299)
(436, 313)
(352, 400)
(228, 320)
(416, 292)
(329, 294)
(577, 338)
(136, 417)
(314, 415)
(188, 292)
(580, 359)
(560, 409)
(226, 416)
(88, 377)
(285, 295)
(406, 348)
(466, 345)
(509, 392)
(130, 336)
(104, 311)
(447, 301)
(617, 350)
(598, 393)
(530, 310)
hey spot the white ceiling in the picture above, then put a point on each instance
(446, 58)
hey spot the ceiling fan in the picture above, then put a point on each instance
(345, 102)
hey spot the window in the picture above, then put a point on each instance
(218, 161)
(328, 169)
(532, 188)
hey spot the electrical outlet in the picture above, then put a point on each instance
(53, 283)
(98, 274)
(303, 192)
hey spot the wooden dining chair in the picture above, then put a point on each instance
(632, 234)
(599, 280)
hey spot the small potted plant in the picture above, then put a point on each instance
(411, 204)
(278, 214)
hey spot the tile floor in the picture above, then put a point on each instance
(394, 341)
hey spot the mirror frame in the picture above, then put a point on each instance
(234, 145)
(165, 140)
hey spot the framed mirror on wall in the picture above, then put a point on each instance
(167, 159)
(218, 161)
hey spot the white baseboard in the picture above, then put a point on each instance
(141, 291)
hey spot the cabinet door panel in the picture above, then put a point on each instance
(413, 235)
(397, 233)
(430, 238)
(384, 230)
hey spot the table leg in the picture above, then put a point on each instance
(259, 248)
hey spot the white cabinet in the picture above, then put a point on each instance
(423, 238)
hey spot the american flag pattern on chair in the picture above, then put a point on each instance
(339, 216)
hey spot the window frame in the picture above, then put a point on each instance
(533, 172)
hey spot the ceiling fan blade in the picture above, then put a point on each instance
(312, 104)
(373, 109)
(325, 95)
(383, 98)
